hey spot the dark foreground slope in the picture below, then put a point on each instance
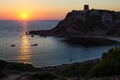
(108, 67)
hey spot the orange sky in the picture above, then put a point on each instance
(49, 9)
(31, 14)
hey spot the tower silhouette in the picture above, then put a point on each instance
(86, 8)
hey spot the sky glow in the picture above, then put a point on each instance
(49, 9)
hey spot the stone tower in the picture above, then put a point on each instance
(86, 8)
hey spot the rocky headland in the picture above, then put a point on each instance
(86, 23)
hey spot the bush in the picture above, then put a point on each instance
(75, 70)
(110, 65)
(20, 66)
(42, 76)
(2, 65)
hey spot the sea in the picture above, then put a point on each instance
(16, 46)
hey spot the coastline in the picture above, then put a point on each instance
(23, 75)
(61, 66)
(53, 33)
(78, 39)
(11, 74)
(74, 71)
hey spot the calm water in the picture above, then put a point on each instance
(50, 51)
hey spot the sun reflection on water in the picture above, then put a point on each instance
(25, 46)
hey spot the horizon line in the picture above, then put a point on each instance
(28, 20)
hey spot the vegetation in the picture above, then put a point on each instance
(90, 24)
(15, 66)
(110, 65)
(42, 76)
(2, 65)
(75, 70)
(20, 66)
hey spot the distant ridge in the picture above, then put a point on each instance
(86, 23)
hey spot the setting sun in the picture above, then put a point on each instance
(24, 16)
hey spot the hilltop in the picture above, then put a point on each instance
(86, 23)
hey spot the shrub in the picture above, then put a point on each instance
(20, 66)
(110, 65)
(2, 65)
(42, 76)
(75, 70)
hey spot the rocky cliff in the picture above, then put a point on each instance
(87, 22)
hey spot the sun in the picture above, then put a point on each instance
(24, 16)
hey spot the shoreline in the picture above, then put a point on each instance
(80, 40)
(61, 66)
(16, 74)
(53, 33)
(23, 71)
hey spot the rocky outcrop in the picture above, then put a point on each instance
(87, 22)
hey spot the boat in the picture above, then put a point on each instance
(34, 44)
(32, 35)
(13, 45)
